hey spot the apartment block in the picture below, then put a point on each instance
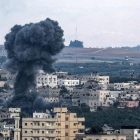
(44, 79)
(56, 125)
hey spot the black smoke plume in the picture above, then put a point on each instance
(29, 48)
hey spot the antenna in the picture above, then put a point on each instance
(76, 33)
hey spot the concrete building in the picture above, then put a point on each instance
(104, 79)
(15, 110)
(44, 79)
(17, 129)
(49, 94)
(120, 86)
(56, 125)
(93, 98)
(129, 104)
(131, 132)
(67, 82)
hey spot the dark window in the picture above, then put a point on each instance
(67, 119)
(25, 131)
(59, 124)
(66, 126)
(66, 134)
(25, 124)
(42, 124)
(42, 132)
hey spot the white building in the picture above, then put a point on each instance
(67, 83)
(44, 79)
(119, 86)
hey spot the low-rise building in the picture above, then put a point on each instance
(67, 82)
(44, 79)
(129, 104)
(120, 86)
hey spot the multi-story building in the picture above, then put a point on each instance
(119, 86)
(93, 98)
(56, 125)
(131, 132)
(44, 79)
(49, 94)
(68, 82)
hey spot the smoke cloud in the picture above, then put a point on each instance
(29, 48)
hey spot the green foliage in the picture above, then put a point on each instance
(116, 104)
(96, 129)
(110, 69)
(99, 108)
(123, 79)
(114, 117)
(80, 110)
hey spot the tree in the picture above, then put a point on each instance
(116, 104)
(99, 108)
(96, 129)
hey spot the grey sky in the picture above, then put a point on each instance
(99, 22)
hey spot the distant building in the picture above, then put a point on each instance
(67, 83)
(44, 79)
(129, 103)
(120, 86)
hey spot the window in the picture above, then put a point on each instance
(75, 124)
(59, 124)
(25, 124)
(25, 139)
(114, 139)
(25, 131)
(59, 116)
(66, 134)
(66, 126)
(59, 132)
(42, 132)
(42, 124)
(67, 119)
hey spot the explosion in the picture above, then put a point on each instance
(30, 48)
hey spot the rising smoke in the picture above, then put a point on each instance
(29, 48)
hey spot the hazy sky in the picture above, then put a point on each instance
(99, 22)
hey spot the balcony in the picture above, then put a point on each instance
(39, 135)
(81, 119)
(81, 127)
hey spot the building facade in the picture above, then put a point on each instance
(56, 125)
(44, 79)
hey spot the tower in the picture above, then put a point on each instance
(17, 129)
